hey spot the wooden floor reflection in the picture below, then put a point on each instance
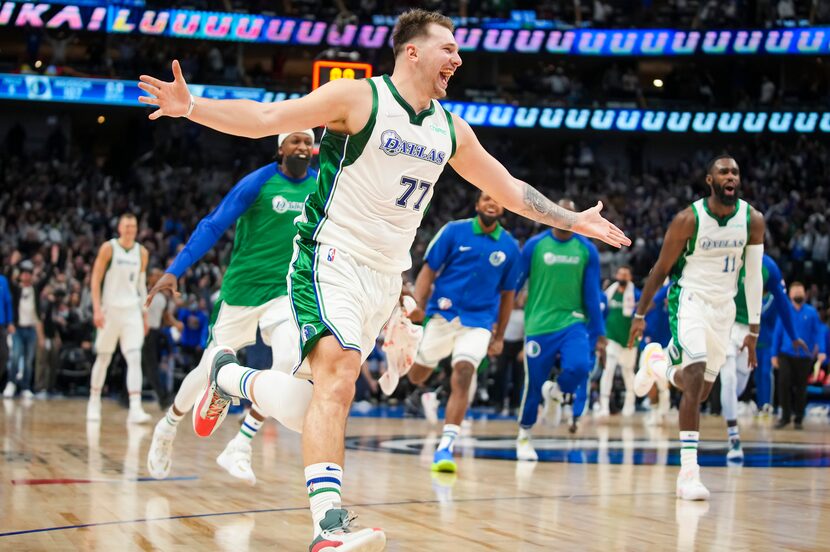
(69, 486)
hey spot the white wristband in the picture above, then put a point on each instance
(639, 316)
(192, 105)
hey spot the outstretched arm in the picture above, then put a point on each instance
(343, 105)
(679, 233)
(477, 166)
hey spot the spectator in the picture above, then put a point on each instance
(26, 335)
(158, 315)
(795, 366)
(47, 359)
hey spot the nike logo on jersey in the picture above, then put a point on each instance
(392, 144)
(464, 248)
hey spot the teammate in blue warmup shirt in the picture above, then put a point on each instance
(474, 264)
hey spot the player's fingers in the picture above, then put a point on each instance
(152, 81)
(148, 100)
(156, 114)
(598, 206)
(177, 70)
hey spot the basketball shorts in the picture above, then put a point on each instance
(332, 293)
(122, 326)
(235, 327)
(443, 338)
(700, 332)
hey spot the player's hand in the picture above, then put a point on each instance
(417, 315)
(801, 344)
(638, 326)
(496, 347)
(750, 341)
(591, 224)
(167, 284)
(599, 349)
(98, 319)
(172, 98)
(774, 362)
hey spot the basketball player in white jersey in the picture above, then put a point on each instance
(386, 143)
(704, 249)
(119, 315)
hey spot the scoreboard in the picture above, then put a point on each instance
(325, 71)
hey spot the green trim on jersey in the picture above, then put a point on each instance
(721, 220)
(337, 151)
(414, 118)
(452, 131)
(677, 269)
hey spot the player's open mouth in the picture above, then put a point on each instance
(729, 189)
(444, 77)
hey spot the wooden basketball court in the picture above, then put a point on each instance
(69, 486)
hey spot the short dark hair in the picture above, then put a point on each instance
(414, 23)
(796, 283)
(626, 267)
(711, 164)
(127, 215)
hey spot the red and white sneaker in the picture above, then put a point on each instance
(338, 535)
(212, 405)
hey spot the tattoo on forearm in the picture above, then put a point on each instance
(544, 210)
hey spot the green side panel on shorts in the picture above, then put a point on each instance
(337, 151)
(214, 315)
(674, 307)
(303, 298)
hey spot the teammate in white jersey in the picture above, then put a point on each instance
(118, 315)
(704, 249)
(386, 143)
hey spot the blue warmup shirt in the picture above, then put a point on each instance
(6, 313)
(232, 206)
(808, 327)
(473, 269)
(776, 305)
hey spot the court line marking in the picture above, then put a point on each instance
(70, 481)
(380, 504)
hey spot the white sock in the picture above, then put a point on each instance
(670, 372)
(733, 432)
(449, 436)
(688, 448)
(249, 428)
(323, 482)
(524, 433)
(191, 387)
(235, 380)
(172, 419)
(135, 401)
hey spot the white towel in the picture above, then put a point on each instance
(629, 302)
(400, 344)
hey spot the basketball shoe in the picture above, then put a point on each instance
(689, 486)
(236, 459)
(212, 405)
(338, 535)
(160, 456)
(653, 364)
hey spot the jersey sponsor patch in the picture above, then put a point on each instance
(444, 303)
(553, 258)
(706, 244)
(533, 349)
(282, 205)
(392, 144)
(497, 258)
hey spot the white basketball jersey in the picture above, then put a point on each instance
(374, 186)
(713, 258)
(121, 278)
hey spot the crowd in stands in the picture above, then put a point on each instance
(57, 206)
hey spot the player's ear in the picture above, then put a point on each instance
(709, 179)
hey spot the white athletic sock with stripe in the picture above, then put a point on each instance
(249, 428)
(235, 380)
(449, 436)
(323, 483)
(688, 448)
(172, 419)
